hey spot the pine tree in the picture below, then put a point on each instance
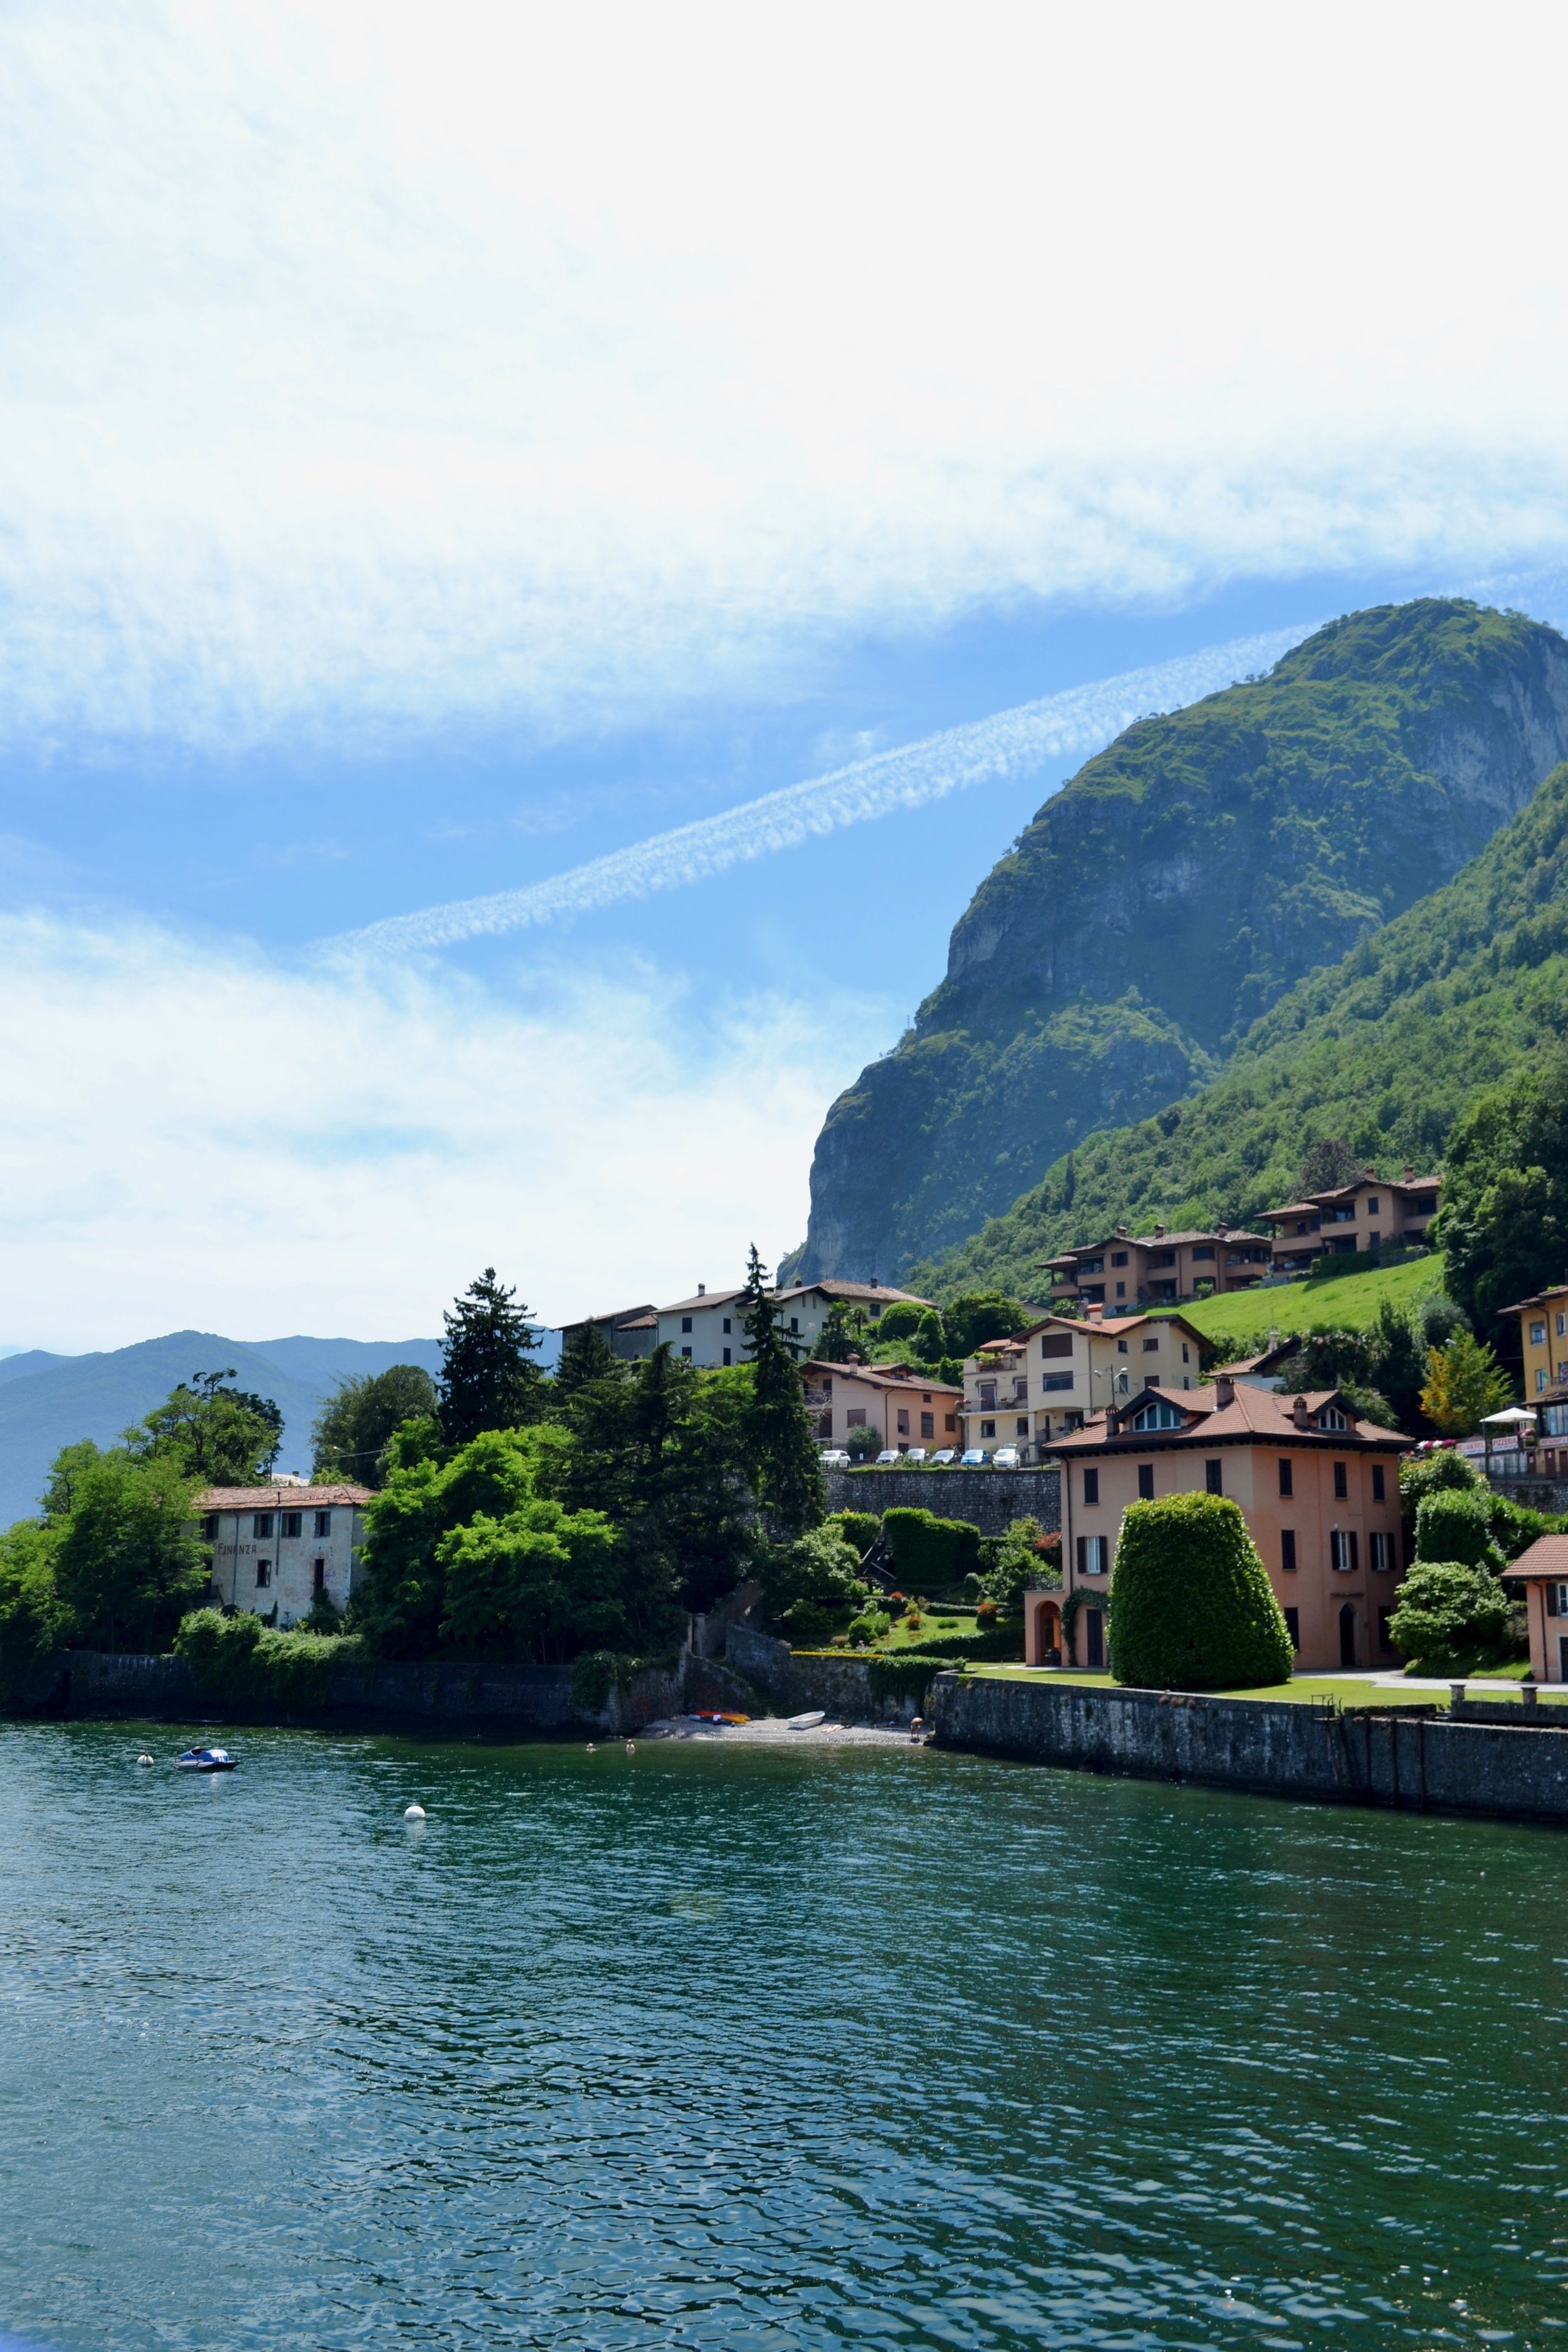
(488, 1380)
(586, 1356)
(781, 1447)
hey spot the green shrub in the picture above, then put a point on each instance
(1441, 1473)
(1191, 1604)
(859, 1529)
(871, 1626)
(1447, 1606)
(1023, 1558)
(902, 1320)
(1457, 1524)
(863, 1445)
(243, 1663)
(816, 1567)
(928, 1553)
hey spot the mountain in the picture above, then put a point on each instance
(1171, 893)
(1383, 1049)
(98, 1395)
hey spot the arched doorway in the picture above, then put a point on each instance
(1347, 1635)
(1044, 1642)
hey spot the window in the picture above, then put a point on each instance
(1287, 1477)
(1119, 1257)
(1203, 1250)
(1092, 1266)
(318, 1575)
(987, 1396)
(1158, 1415)
(1341, 1216)
(209, 1526)
(1293, 1627)
(1151, 1347)
(856, 1417)
(1377, 1494)
(1057, 1343)
(685, 1324)
(1557, 1420)
(952, 1422)
(1121, 1290)
(1145, 1482)
(686, 1355)
(263, 1574)
(324, 1523)
(903, 1422)
(1539, 1379)
(1121, 1347)
(1371, 1207)
(794, 1324)
(261, 1523)
(1093, 1555)
(727, 1332)
(1379, 1546)
(289, 1524)
(1214, 1478)
(1341, 1483)
(988, 1429)
(1342, 1551)
(1186, 1353)
(1094, 1644)
(1021, 1426)
(726, 1355)
(1537, 1335)
(1057, 1380)
(1557, 1600)
(1072, 1421)
(1332, 1418)
(1563, 1327)
(876, 1310)
(928, 1424)
(1091, 1486)
(1163, 1257)
(1288, 1550)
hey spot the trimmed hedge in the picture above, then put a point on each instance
(1000, 1641)
(1457, 1524)
(931, 1554)
(858, 1529)
(1191, 1604)
(902, 1676)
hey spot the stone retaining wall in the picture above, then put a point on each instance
(989, 1499)
(1403, 1758)
(795, 1684)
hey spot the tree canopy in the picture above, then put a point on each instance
(351, 1429)
(488, 1377)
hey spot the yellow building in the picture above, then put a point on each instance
(1544, 1344)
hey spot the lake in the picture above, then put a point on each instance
(747, 2049)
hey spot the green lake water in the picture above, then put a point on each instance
(743, 2048)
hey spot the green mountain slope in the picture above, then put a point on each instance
(1169, 895)
(1384, 1049)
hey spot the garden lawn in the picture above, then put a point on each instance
(1349, 1689)
(1347, 1302)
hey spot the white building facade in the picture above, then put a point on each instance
(280, 1547)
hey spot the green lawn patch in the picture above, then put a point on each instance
(1347, 1302)
(1299, 1691)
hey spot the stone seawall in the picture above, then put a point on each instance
(1401, 1757)
(989, 1499)
(509, 1701)
(841, 1687)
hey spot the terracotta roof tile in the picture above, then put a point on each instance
(278, 1499)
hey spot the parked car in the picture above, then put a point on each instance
(916, 1453)
(889, 1454)
(975, 1459)
(834, 1458)
(1005, 1457)
(944, 1460)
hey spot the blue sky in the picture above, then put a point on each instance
(435, 461)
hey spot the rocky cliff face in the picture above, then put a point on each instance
(1169, 894)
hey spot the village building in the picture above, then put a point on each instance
(279, 1548)
(803, 1309)
(1369, 1214)
(633, 1332)
(906, 1405)
(1130, 1270)
(1318, 1487)
(708, 1330)
(1036, 1386)
(1540, 1576)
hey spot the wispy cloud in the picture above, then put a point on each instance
(1010, 743)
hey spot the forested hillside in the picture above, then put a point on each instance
(1170, 895)
(1384, 1049)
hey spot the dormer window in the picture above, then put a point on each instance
(1332, 1418)
(1157, 1414)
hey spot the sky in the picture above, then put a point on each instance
(545, 553)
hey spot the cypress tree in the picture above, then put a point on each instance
(488, 1380)
(780, 1445)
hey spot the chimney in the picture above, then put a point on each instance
(1222, 1228)
(702, 1290)
(872, 1284)
(1121, 1233)
(1299, 1411)
(1224, 1391)
(1094, 1312)
(1158, 1231)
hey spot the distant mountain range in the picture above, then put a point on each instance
(47, 1400)
(1114, 962)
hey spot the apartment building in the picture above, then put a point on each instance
(1318, 1487)
(1130, 1270)
(903, 1403)
(803, 1309)
(1362, 1216)
(632, 1332)
(281, 1547)
(1031, 1389)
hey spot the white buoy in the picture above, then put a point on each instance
(631, 1748)
(590, 1747)
(146, 1760)
(413, 1813)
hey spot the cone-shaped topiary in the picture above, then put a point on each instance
(1191, 1604)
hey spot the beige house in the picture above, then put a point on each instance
(804, 1311)
(1541, 1577)
(1319, 1490)
(1366, 1215)
(903, 1403)
(1031, 1389)
(278, 1547)
(1130, 1270)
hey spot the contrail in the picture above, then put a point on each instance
(1009, 744)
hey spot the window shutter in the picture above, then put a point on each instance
(1355, 1553)
(1551, 1600)
(1082, 1554)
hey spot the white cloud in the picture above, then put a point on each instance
(364, 369)
(1011, 743)
(196, 1138)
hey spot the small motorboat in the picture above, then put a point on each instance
(807, 1722)
(205, 1759)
